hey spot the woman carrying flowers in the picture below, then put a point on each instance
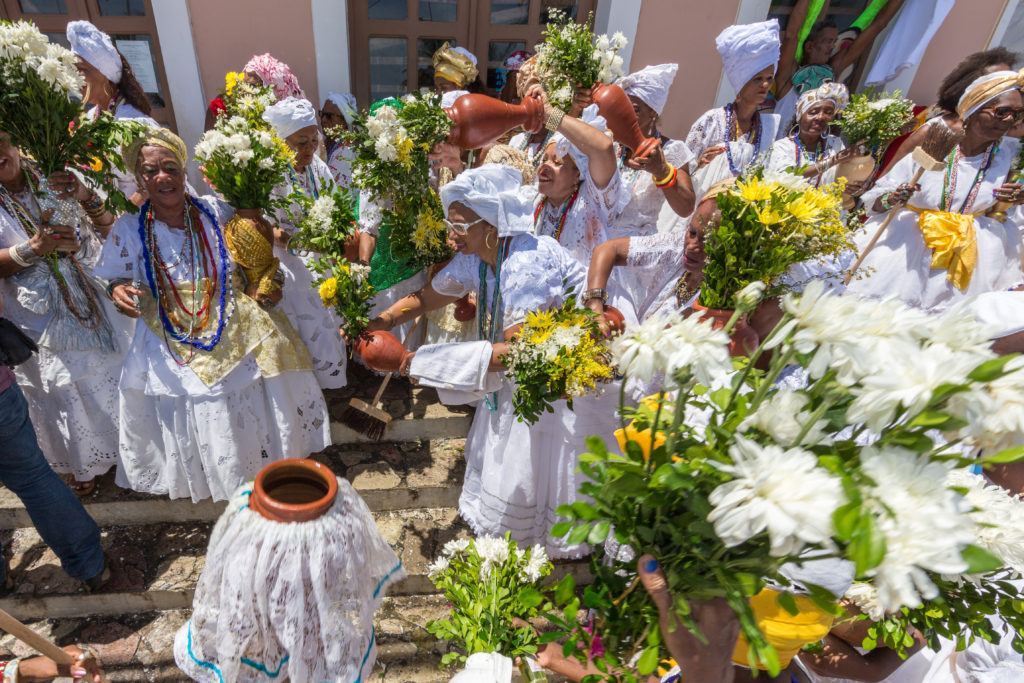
(214, 386)
(941, 247)
(517, 474)
(295, 122)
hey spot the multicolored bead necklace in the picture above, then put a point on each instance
(952, 173)
(489, 320)
(561, 219)
(733, 133)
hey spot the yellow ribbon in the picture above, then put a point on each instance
(786, 632)
(952, 237)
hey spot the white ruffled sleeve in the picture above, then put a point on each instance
(705, 132)
(120, 255)
(459, 277)
(536, 276)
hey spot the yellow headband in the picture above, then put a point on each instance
(990, 87)
(454, 67)
(159, 137)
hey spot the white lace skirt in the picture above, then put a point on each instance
(316, 324)
(517, 475)
(203, 446)
(288, 601)
(72, 400)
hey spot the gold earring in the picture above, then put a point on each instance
(487, 240)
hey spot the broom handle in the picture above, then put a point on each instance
(33, 639)
(384, 384)
(878, 234)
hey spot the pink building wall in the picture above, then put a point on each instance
(225, 43)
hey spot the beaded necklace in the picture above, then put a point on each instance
(561, 219)
(489, 321)
(952, 172)
(534, 158)
(732, 128)
(309, 176)
(161, 281)
(802, 153)
(91, 319)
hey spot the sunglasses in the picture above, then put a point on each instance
(1017, 113)
(461, 229)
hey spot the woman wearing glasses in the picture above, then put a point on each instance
(941, 245)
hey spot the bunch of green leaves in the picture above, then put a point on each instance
(1017, 170)
(874, 120)
(489, 583)
(571, 57)
(426, 121)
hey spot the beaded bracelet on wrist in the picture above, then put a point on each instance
(554, 119)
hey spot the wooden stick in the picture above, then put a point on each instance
(34, 640)
(408, 336)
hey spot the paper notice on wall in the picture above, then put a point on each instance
(138, 54)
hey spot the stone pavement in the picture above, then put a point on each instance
(157, 547)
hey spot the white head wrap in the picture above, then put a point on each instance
(984, 89)
(492, 191)
(651, 85)
(346, 102)
(95, 47)
(828, 92)
(448, 99)
(746, 49)
(466, 53)
(563, 146)
(290, 115)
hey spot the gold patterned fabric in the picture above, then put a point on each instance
(453, 66)
(952, 237)
(160, 137)
(988, 87)
(250, 329)
(253, 252)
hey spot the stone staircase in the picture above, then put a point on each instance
(157, 546)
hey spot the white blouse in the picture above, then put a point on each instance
(640, 215)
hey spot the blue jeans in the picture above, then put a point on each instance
(59, 517)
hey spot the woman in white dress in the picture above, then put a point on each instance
(213, 387)
(658, 184)
(725, 140)
(941, 247)
(339, 111)
(294, 120)
(517, 474)
(48, 288)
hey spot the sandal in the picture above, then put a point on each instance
(81, 488)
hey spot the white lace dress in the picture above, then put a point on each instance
(181, 437)
(711, 130)
(646, 202)
(586, 219)
(339, 160)
(316, 324)
(785, 154)
(71, 391)
(900, 263)
(294, 601)
(516, 474)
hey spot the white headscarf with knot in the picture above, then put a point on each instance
(828, 92)
(95, 47)
(346, 102)
(448, 99)
(493, 192)
(290, 115)
(746, 49)
(650, 84)
(563, 146)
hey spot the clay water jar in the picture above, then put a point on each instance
(616, 321)
(743, 341)
(856, 169)
(294, 490)
(381, 351)
(465, 310)
(479, 120)
(614, 105)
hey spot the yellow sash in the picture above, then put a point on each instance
(952, 237)
(786, 632)
(251, 250)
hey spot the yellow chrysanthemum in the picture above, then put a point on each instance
(96, 164)
(328, 290)
(769, 216)
(642, 439)
(231, 79)
(404, 148)
(756, 190)
(429, 233)
(804, 210)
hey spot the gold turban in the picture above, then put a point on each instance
(986, 88)
(160, 137)
(454, 66)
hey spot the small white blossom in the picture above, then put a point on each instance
(782, 417)
(749, 296)
(534, 568)
(455, 546)
(998, 516)
(438, 567)
(493, 551)
(865, 597)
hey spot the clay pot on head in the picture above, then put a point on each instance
(479, 120)
(614, 105)
(616, 321)
(381, 351)
(743, 339)
(465, 310)
(294, 490)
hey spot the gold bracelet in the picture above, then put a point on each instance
(668, 176)
(554, 119)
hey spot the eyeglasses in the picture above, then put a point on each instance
(331, 115)
(1017, 113)
(460, 229)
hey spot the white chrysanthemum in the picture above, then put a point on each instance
(998, 514)
(535, 566)
(602, 43)
(242, 156)
(455, 546)
(619, 40)
(493, 551)
(672, 343)
(865, 597)
(320, 214)
(882, 104)
(438, 566)
(749, 296)
(781, 491)
(266, 163)
(994, 411)
(790, 181)
(783, 418)
(359, 272)
(385, 150)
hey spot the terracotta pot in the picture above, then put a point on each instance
(480, 120)
(294, 490)
(614, 105)
(352, 247)
(381, 351)
(616, 321)
(743, 340)
(465, 310)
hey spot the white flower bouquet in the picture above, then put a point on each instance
(41, 109)
(873, 121)
(490, 582)
(572, 56)
(842, 448)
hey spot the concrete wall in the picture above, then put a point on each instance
(225, 43)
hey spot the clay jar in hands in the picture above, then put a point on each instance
(614, 105)
(381, 351)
